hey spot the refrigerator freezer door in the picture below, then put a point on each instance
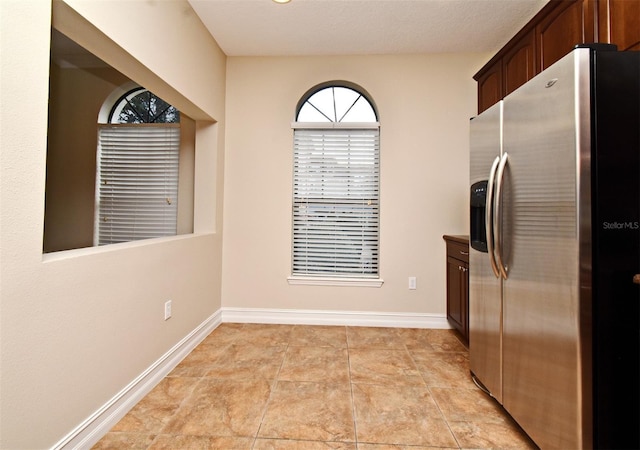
(541, 345)
(616, 251)
(485, 302)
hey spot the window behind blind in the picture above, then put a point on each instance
(137, 182)
(137, 170)
(336, 212)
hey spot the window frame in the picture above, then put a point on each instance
(345, 278)
(172, 150)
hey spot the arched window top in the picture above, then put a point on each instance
(139, 105)
(335, 103)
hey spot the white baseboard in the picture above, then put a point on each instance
(348, 318)
(100, 422)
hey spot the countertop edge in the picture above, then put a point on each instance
(461, 238)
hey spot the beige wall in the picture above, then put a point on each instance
(76, 327)
(424, 103)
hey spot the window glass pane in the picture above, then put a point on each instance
(360, 112)
(336, 104)
(309, 114)
(323, 100)
(143, 106)
(344, 99)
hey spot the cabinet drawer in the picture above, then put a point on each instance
(458, 251)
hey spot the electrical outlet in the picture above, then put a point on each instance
(167, 309)
(412, 283)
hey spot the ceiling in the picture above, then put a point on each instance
(345, 27)
(362, 27)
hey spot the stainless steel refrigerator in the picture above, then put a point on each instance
(555, 244)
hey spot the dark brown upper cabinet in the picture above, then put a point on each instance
(552, 33)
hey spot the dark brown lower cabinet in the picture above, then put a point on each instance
(458, 283)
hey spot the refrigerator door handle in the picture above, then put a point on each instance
(489, 216)
(497, 212)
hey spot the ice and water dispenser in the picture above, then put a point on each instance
(478, 201)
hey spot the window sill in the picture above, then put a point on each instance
(337, 281)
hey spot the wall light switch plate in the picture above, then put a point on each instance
(412, 283)
(167, 309)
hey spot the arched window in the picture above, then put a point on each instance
(137, 169)
(336, 184)
(140, 105)
(337, 104)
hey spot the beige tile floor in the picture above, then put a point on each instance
(291, 387)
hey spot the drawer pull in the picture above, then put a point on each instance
(464, 253)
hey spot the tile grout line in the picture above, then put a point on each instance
(428, 386)
(353, 400)
(272, 389)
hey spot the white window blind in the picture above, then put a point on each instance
(336, 202)
(137, 182)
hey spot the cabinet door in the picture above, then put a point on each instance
(464, 287)
(519, 63)
(619, 22)
(490, 88)
(457, 294)
(569, 24)
(454, 293)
